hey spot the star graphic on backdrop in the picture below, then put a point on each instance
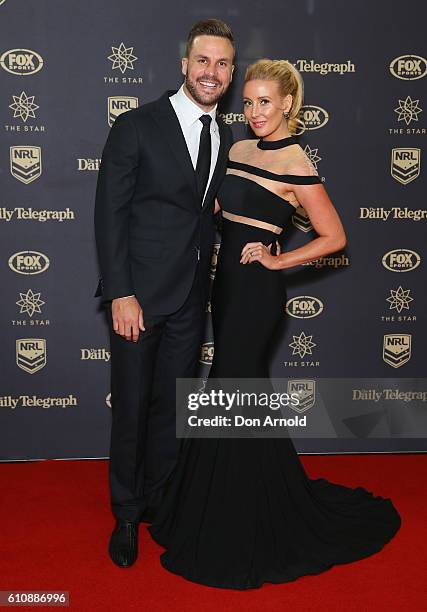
(23, 106)
(400, 299)
(122, 58)
(312, 155)
(408, 110)
(302, 345)
(30, 303)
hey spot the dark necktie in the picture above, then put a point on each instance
(204, 156)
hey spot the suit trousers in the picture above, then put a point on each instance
(144, 446)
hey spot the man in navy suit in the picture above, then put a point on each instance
(161, 168)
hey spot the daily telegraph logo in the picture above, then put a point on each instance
(313, 117)
(95, 354)
(21, 61)
(230, 118)
(405, 164)
(36, 401)
(401, 260)
(304, 307)
(26, 163)
(306, 392)
(20, 213)
(339, 261)
(301, 220)
(88, 164)
(409, 67)
(28, 262)
(323, 68)
(118, 105)
(207, 353)
(397, 349)
(31, 354)
(379, 213)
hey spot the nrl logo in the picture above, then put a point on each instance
(306, 391)
(118, 105)
(31, 354)
(397, 349)
(405, 164)
(26, 163)
(301, 220)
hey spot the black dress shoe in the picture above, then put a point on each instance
(148, 515)
(123, 546)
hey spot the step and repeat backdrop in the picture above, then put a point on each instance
(356, 319)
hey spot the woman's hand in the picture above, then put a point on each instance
(257, 251)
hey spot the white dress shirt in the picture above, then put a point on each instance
(188, 114)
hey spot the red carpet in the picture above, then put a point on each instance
(56, 522)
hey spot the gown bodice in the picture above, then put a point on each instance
(246, 199)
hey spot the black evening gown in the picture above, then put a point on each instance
(241, 512)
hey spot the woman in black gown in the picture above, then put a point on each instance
(241, 512)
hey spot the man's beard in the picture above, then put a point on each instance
(200, 99)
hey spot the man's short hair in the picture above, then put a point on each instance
(209, 27)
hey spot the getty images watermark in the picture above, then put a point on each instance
(303, 407)
(237, 408)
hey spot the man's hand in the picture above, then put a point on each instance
(128, 318)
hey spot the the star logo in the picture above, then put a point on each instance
(122, 58)
(23, 107)
(312, 155)
(399, 299)
(302, 345)
(30, 303)
(408, 110)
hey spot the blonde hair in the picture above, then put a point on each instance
(289, 80)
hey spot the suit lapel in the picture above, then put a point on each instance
(170, 127)
(220, 164)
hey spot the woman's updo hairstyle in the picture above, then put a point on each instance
(289, 81)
